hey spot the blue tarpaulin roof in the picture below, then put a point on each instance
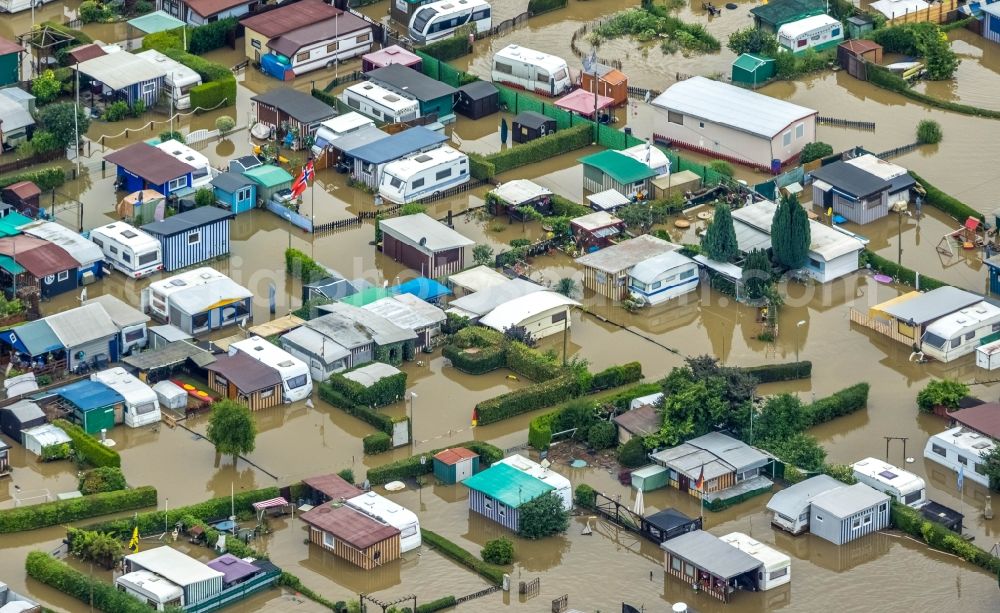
(423, 288)
(33, 338)
(90, 395)
(398, 145)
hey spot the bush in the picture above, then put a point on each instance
(103, 596)
(622, 400)
(64, 511)
(444, 602)
(210, 36)
(46, 179)
(753, 40)
(384, 391)
(225, 124)
(60, 451)
(410, 467)
(910, 520)
(540, 431)
(945, 393)
(542, 148)
(491, 573)
(770, 373)
(537, 7)
(46, 87)
(602, 435)
(91, 12)
(564, 207)
(815, 151)
(498, 551)
(929, 132)
(722, 167)
(542, 517)
(92, 451)
(373, 444)
(98, 547)
(450, 48)
(116, 111)
(331, 396)
(527, 399)
(903, 274)
(301, 266)
(633, 453)
(43, 141)
(844, 402)
(475, 361)
(616, 376)
(529, 363)
(103, 479)
(585, 496)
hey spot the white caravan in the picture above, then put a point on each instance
(531, 70)
(342, 125)
(296, 383)
(142, 406)
(960, 333)
(906, 487)
(425, 174)
(179, 80)
(960, 448)
(128, 249)
(153, 590)
(203, 171)
(438, 20)
(398, 517)
(379, 103)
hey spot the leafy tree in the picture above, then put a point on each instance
(781, 417)
(815, 151)
(579, 414)
(800, 450)
(929, 132)
(102, 479)
(528, 213)
(632, 453)
(46, 87)
(57, 118)
(756, 274)
(991, 464)
(940, 61)
(225, 124)
(722, 167)
(790, 235)
(543, 516)
(753, 40)
(567, 287)
(232, 429)
(98, 547)
(168, 135)
(719, 242)
(519, 334)
(636, 215)
(945, 393)
(204, 197)
(454, 323)
(602, 435)
(498, 551)
(482, 255)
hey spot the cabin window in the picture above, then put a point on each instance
(777, 574)
(488, 505)
(963, 460)
(220, 380)
(328, 540)
(443, 174)
(504, 68)
(178, 183)
(979, 468)
(701, 124)
(995, 328)
(376, 555)
(135, 335)
(955, 342)
(939, 450)
(884, 507)
(502, 512)
(199, 321)
(267, 394)
(364, 38)
(332, 47)
(687, 274)
(126, 257)
(689, 569)
(243, 194)
(121, 588)
(815, 264)
(560, 316)
(855, 523)
(786, 138)
(800, 131)
(148, 258)
(148, 88)
(302, 57)
(418, 183)
(296, 382)
(194, 238)
(675, 563)
(481, 14)
(970, 335)
(868, 519)
(676, 118)
(601, 277)
(62, 276)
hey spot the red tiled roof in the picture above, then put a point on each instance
(207, 8)
(455, 455)
(984, 419)
(333, 486)
(292, 17)
(349, 525)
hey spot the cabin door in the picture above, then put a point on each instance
(231, 391)
(683, 483)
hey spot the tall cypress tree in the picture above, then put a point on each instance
(719, 242)
(756, 273)
(790, 236)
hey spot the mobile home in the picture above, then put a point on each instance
(341, 125)
(776, 567)
(561, 486)
(130, 321)
(16, 6)
(961, 448)
(180, 79)
(128, 249)
(440, 19)
(141, 406)
(540, 313)
(531, 70)
(203, 172)
(296, 383)
(790, 506)
(663, 277)
(416, 177)
(318, 45)
(198, 301)
(848, 513)
(379, 103)
(960, 333)
(157, 592)
(192, 237)
(904, 486)
(197, 581)
(817, 32)
(387, 511)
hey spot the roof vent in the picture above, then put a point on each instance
(286, 364)
(423, 158)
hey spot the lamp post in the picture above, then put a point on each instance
(412, 396)
(798, 326)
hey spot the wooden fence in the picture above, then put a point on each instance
(882, 326)
(868, 126)
(939, 12)
(642, 92)
(898, 151)
(38, 158)
(340, 224)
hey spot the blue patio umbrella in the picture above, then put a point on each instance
(503, 131)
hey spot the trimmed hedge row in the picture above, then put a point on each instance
(437, 605)
(719, 504)
(331, 396)
(624, 398)
(58, 512)
(844, 402)
(958, 210)
(450, 48)
(493, 351)
(211, 35)
(480, 167)
(218, 82)
(384, 391)
(325, 98)
(45, 178)
(475, 360)
(527, 399)
(903, 274)
(93, 452)
(61, 576)
(301, 266)
(485, 167)
(887, 80)
(616, 376)
(527, 362)
(540, 430)
(493, 574)
(769, 373)
(377, 443)
(910, 521)
(410, 467)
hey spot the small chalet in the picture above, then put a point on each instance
(984, 419)
(640, 422)
(10, 62)
(393, 54)
(352, 535)
(30, 261)
(246, 380)
(493, 293)
(425, 244)
(411, 313)
(371, 158)
(16, 108)
(455, 465)
(475, 279)
(752, 70)
(667, 524)
(198, 301)
(712, 565)
(991, 22)
(235, 192)
(88, 333)
(269, 180)
(529, 125)
(791, 505)
(512, 195)
(92, 405)
(82, 53)
(905, 318)
(4, 458)
(498, 493)
(596, 231)
(847, 513)
(612, 170)
(142, 166)
(477, 100)
(125, 76)
(293, 115)
(541, 313)
(19, 416)
(89, 257)
(201, 12)
(435, 98)
(852, 192)
(192, 237)
(607, 81)
(723, 462)
(24, 196)
(854, 54)
(607, 271)
(261, 28)
(317, 45)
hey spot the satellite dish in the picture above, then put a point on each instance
(423, 241)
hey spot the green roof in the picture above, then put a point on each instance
(8, 264)
(619, 167)
(157, 21)
(507, 484)
(9, 225)
(367, 296)
(780, 12)
(750, 62)
(268, 175)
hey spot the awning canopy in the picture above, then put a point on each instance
(583, 102)
(157, 21)
(270, 503)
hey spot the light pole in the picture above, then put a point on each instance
(412, 396)
(798, 326)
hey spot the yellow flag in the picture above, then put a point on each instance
(134, 543)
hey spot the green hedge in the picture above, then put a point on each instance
(153, 521)
(564, 207)
(770, 373)
(214, 93)
(880, 264)
(480, 167)
(325, 98)
(542, 148)
(218, 82)
(91, 449)
(958, 210)
(410, 467)
(844, 402)
(377, 443)
(477, 362)
(585, 496)
(331, 396)
(45, 178)
(887, 80)
(720, 504)
(493, 574)
(540, 431)
(58, 512)
(289, 580)
(529, 363)
(384, 391)
(437, 605)
(616, 376)
(301, 266)
(450, 48)
(58, 575)
(494, 351)
(210, 36)
(624, 398)
(536, 7)
(910, 521)
(527, 399)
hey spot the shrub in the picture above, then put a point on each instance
(225, 124)
(844, 402)
(498, 551)
(769, 373)
(564, 207)
(445, 547)
(542, 517)
(373, 444)
(623, 399)
(815, 151)
(301, 266)
(43, 141)
(210, 36)
(61, 451)
(540, 431)
(616, 376)
(909, 520)
(929, 132)
(450, 48)
(901, 273)
(542, 148)
(602, 435)
(103, 479)
(64, 511)
(529, 363)
(527, 399)
(444, 602)
(331, 396)
(384, 391)
(753, 40)
(475, 360)
(91, 11)
(103, 596)
(46, 87)
(537, 7)
(92, 451)
(722, 167)
(480, 167)
(116, 111)
(46, 179)
(945, 393)
(633, 453)
(174, 135)
(98, 547)
(410, 467)
(585, 496)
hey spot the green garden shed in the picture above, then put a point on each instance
(10, 62)
(93, 405)
(649, 478)
(455, 465)
(776, 13)
(752, 70)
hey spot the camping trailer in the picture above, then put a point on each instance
(142, 406)
(379, 103)
(438, 20)
(531, 70)
(387, 511)
(960, 333)
(341, 125)
(180, 79)
(817, 32)
(418, 176)
(296, 383)
(904, 486)
(128, 249)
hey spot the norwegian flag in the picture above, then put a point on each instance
(308, 172)
(302, 181)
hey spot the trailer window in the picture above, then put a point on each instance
(420, 20)
(979, 468)
(135, 335)
(297, 382)
(302, 56)
(126, 257)
(444, 174)
(939, 450)
(541, 75)
(934, 340)
(481, 14)
(676, 118)
(144, 408)
(911, 497)
(963, 460)
(148, 258)
(364, 38)
(504, 68)
(353, 103)
(418, 183)
(801, 43)
(332, 47)
(777, 574)
(560, 75)
(395, 182)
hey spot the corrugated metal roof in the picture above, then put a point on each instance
(733, 451)
(48, 434)
(410, 82)
(595, 221)
(354, 325)
(318, 344)
(248, 374)
(508, 485)
(37, 337)
(626, 254)
(25, 411)
(120, 312)
(15, 116)
(731, 106)
(231, 181)
(288, 18)
(38, 257)
(208, 8)
(199, 298)
(89, 395)
(931, 305)
(174, 566)
(793, 500)
(782, 11)
(712, 554)
(171, 354)
(455, 455)
(404, 315)
(984, 418)
(349, 525)
(642, 421)
(418, 304)
(520, 191)
(751, 62)
(608, 200)
(513, 312)
(82, 250)
(358, 139)
(621, 168)
(850, 179)
(82, 325)
(188, 220)
(828, 243)
(333, 486)
(531, 119)
(691, 461)
(421, 229)
(485, 300)
(121, 70)
(148, 162)
(846, 501)
(299, 105)
(399, 144)
(481, 277)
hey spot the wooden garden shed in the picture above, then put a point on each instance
(241, 378)
(455, 465)
(528, 125)
(853, 56)
(608, 81)
(353, 535)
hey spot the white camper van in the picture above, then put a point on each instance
(179, 80)
(379, 103)
(142, 406)
(128, 249)
(961, 449)
(389, 512)
(296, 383)
(531, 70)
(203, 171)
(342, 125)
(904, 486)
(960, 333)
(417, 176)
(438, 20)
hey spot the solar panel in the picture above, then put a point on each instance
(888, 474)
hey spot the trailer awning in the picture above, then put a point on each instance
(270, 503)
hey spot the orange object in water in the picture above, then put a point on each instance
(188, 387)
(967, 245)
(201, 393)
